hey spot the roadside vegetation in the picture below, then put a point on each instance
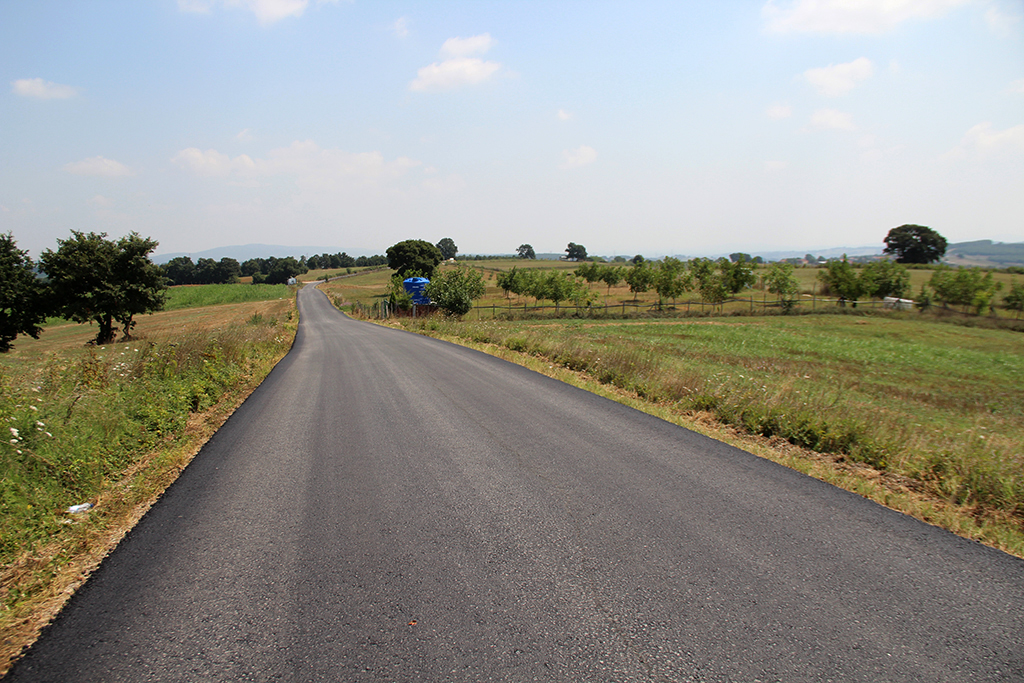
(110, 426)
(900, 406)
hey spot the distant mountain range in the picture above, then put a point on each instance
(977, 253)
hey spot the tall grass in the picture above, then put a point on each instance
(108, 425)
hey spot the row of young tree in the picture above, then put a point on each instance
(88, 278)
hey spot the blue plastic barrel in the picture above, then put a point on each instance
(415, 286)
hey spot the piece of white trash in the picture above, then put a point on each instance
(75, 509)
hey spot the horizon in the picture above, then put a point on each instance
(654, 127)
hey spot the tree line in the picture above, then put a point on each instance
(88, 278)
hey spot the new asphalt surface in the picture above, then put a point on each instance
(388, 507)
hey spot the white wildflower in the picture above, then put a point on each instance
(14, 431)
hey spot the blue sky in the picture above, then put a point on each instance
(642, 127)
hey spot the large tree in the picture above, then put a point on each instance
(93, 279)
(447, 248)
(526, 251)
(22, 303)
(414, 256)
(915, 244)
(576, 252)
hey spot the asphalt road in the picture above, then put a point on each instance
(391, 507)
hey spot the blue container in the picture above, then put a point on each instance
(415, 286)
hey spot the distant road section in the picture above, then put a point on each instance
(388, 507)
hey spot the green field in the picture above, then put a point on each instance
(194, 296)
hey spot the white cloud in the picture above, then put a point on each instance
(581, 156)
(464, 47)
(401, 27)
(831, 119)
(42, 90)
(98, 166)
(453, 73)
(311, 166)
(213, 163)
(244, 135)
(983, 139)
(1017, 87)
(838, 79)
(779, 111)
(850, 16)
(266, 11)
(459, 68)
(564, 115)
(101, 202)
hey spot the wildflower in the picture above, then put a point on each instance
(14, 441)
(39, 424)
(14, 431)
(33, 408)
(48, 434)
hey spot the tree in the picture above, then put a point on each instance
(780, 281)
(739, 256)
(639, 278)
(915, 244)
(591, 272)
(506, 281)
(447, 248)
(841, 281)
(576, 252)
(709, 280)
(670, 279)
(1014, 299)
(880, 279)
(737, 275)
(526, 251)
(22, 300)
(454, 290)
(414, 255)
(93, 279)
(180, 270)
(228, 270)
(611, 276)
(283, 270)
(967, 287)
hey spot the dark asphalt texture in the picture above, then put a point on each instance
(388, 507)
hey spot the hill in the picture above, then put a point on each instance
(986, 253)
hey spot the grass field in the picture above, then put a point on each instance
(112, 426)
(194, 296)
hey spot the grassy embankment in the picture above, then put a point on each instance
(113, 426)
(922, 416)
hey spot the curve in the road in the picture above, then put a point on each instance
(391, 507)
